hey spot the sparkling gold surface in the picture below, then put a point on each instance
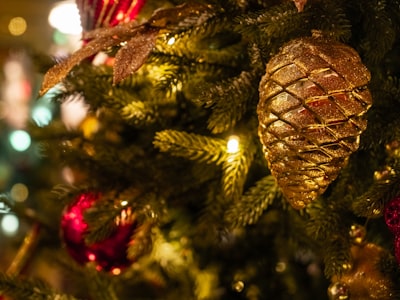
(313, 99)
(364, 280)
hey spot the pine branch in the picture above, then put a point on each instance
(187, 15)
(100, 285)
(325, 226)
(235, 170)
(380, 37)
(191, 146)
(140, 113)
(55, 131)
(34, 289)
(252, 204)
(141, 241)
(63, 193)
(103, 217)
(212, 42)
(209, 230)
(371, 204)
(94, 84)
(391, 87)
(168, 73)
(323, 221)
(276, 22)
(337, 257)
(101, 220)
(331, 19)
(230, 99)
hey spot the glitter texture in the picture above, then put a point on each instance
(313, 99)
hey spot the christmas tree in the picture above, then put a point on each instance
(231, 150)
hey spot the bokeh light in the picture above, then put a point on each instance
(19, 192)
(9, 224)
(20, 140)
(17, 26)
(73, 111)
(65, 17)
(42, 115)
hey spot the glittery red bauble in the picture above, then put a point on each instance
(392, 215)
(109, 254)
(107, 13)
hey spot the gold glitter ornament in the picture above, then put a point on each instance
(313, 99)
(338, 291)
(365, 280)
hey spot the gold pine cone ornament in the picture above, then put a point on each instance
(313, 101)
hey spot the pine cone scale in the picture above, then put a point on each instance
(305, 88)
(288, 74)
(283, 102)
(328, 78)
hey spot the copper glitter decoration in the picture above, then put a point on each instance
(313, 101)
(135, 42)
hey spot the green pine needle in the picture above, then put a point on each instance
(230, 100)
(191, 146)
(235, 170)
(380, 37)
(274, 22)
(371, 204)
(140, 113)
(337, 256)
(33, 289)
(101, 221)
(253, 203)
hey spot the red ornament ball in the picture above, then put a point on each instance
(392, 215)
(107, 13)
(109, 254)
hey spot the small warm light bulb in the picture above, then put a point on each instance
(116, 271)
(233, 144)
(9, 224)
(171, 41)
(124, 203)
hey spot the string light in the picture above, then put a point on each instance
(171, 41)
(233, 144)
